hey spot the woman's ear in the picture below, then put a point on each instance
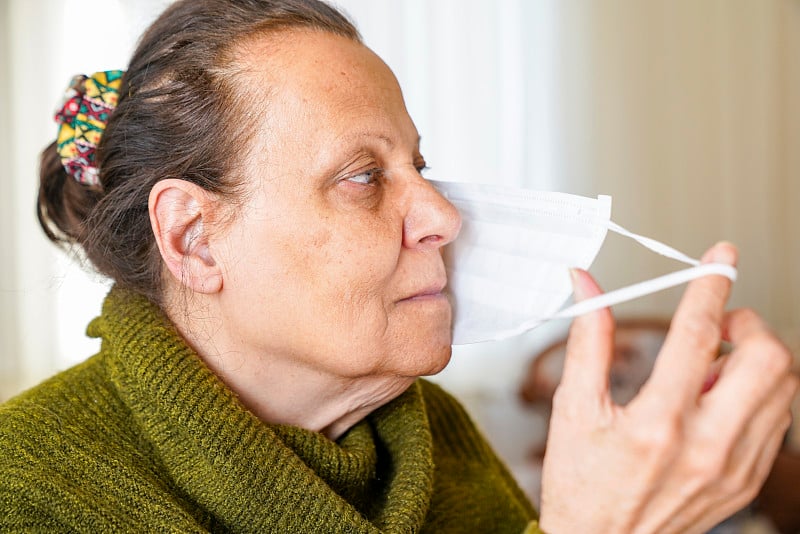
(180, 213)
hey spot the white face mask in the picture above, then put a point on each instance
(508, 270)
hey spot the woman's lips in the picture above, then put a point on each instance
(432, 292)
(426, 296)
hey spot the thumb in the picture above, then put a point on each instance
(590, 347)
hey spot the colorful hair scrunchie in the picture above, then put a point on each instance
(88, 102)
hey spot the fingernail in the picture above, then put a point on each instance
(722, 252)
(577, 288)
(709, 382)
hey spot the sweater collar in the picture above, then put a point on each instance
(254, 476)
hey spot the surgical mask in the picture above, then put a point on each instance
(508, 269)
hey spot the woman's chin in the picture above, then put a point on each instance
(434, 355)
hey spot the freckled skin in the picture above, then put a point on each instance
(318, 266)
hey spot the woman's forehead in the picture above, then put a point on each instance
(315, 85)
(314, 61)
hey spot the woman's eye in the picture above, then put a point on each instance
(423, 170)
(365, 178)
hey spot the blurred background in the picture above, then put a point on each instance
(686, 112)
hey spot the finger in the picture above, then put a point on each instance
(727, 506)
(590, 347)
(754, 370)
(768, 453)
(693, 339)
(742, 324)
(774, 417)
(743, 470)
(755, 470)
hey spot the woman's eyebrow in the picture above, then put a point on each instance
(379, 136)
(352, 146)
(360, 136)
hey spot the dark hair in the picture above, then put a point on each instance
(177, 117)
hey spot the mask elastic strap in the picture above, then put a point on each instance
(647, 287)
(656, 246)
(627, 293)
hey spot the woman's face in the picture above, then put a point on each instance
(334, 259)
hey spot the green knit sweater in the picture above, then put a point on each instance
(143, 437)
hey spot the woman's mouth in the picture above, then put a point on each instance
(433, 291)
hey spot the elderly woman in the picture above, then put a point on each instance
(256, 196)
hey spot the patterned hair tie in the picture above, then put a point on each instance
(82, 118)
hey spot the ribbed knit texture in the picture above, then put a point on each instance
(143, 437)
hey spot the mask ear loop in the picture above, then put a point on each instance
(654, 245)
(647, 287)
(640, 289)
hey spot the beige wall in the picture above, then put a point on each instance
(687, 113)
(790, 55)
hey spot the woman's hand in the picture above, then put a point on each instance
(689, 450)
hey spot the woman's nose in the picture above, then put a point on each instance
(431, 220)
